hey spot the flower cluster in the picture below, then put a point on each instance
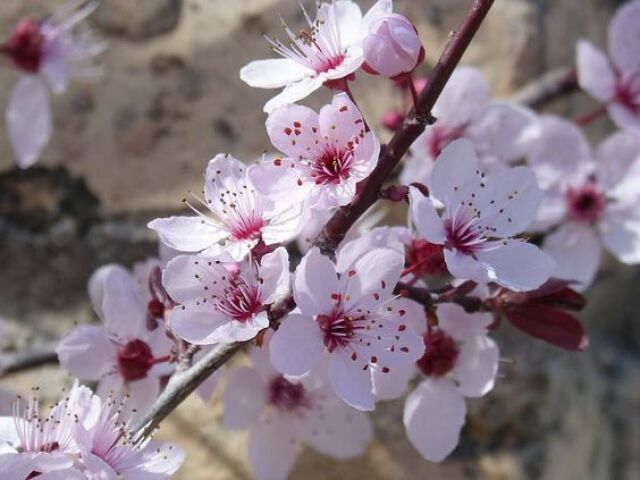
(82, 437)
(509, 213)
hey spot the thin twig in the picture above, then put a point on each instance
(414, 124)
(27, 359)
(548, 87)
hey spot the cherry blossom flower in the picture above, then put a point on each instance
(348, 316)
(502, 132)
(327, 154)
(221, 300)
(459, 361)
(615, 80)
(123, 355)
(392, 46)
(480, 219)
(32, 444)
(49, 52)
(108, 449)
(283, 412)
(330, 50)
(239, 215)
(592, 198)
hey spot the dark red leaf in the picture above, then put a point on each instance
(565, 298)
(550, 324)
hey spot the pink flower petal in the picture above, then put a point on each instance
(595, 74)
(315, 284)
(244, 398)
(87, 352)
(350, 382)
(296, 346)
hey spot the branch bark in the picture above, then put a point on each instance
(548, 87)
(182, 384)
(414, 124)
(25, 360)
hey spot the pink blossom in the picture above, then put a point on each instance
(52, 51)
(615, 80)
(348, 316)
(108, 449)
(327, 154)
(459, 361)
(392, 46)
(283, 412)
(34, 444)
(232, 211)
(331, 49)
(480, 220)
(123, 355)
(221, 300)
(592, 197)
(501, 132)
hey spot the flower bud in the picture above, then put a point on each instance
(392, 46)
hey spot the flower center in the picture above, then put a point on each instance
(287, 396)
(135, 360)
(332, 167)
(246, 225)
(318, 48)
(424, 258)
(586, 203)
(440, 355)
(240, 299)
(25, 46)
(339, 329)
(627, 92)
(464, 233)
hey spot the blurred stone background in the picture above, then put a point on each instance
(129, 145)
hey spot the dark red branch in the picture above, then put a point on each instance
(552, 85)
(414, 124)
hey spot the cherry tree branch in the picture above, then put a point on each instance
(413, 125)
(27, 359)
(550, 86)
(182, 384)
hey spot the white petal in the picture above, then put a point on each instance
(273, 72)
(619, 165)
(272, 449)
(380, 237)
(295, 131)
(346, 17)
(509, 202)
(28, 116)
(501, 132)
(455, 167)
(433, 416)
(350, 382)
(338, 430)
(244, 398)
(240, 331)
(294, 92)
(425, 217)
(188, 234)
(281, 180)
(576, 249)
(87, 352)
(624, 37)
(620, 231)
(371, 280)
(394, 384)
(123, 310)
(463, 97)
(595, 74)
(296, 346)
(623, 117)
(142, 394)
(315, 282)
(477, 366)
(461, 325)
(284, 221)
(465, 267)
(519, 266)
(274, 271)
(196, 323)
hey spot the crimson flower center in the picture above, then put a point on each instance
(25, 46)
(424, 258)
(246, 226)
(135, 360)
(338, 329)
(462, 234)
(287, 396)
(239, 299)
(586, 203)
(440, 356)
(332, 167)
(627, 92)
